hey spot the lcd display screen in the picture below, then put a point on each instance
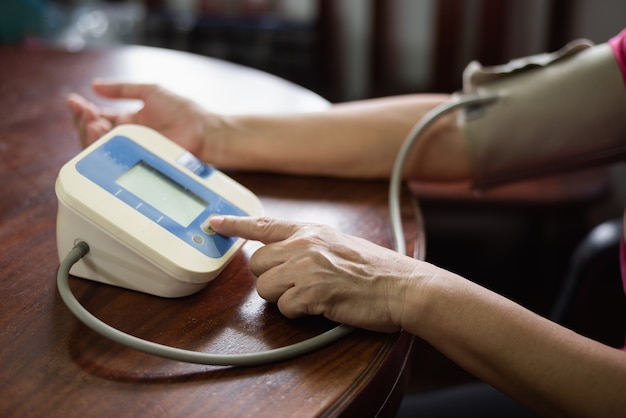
(161, 192)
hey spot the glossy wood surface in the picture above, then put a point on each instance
(51, 365)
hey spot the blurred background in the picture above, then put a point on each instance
(342, 49)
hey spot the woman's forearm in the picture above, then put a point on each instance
(358, 139)
(529, 357)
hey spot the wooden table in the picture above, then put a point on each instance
(52, 365)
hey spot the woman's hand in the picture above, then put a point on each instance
(179, 119)
(311, 269)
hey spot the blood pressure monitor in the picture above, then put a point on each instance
(142, 203)
(133, 212)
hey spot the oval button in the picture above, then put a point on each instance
(198, 239)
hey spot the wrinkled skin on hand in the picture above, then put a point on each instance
(310, 269)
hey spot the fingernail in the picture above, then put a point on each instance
(216, 221)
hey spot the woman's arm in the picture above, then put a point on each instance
(541, 364)
(358, 139)
(312, 270)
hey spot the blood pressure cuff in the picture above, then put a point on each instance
(555, 112)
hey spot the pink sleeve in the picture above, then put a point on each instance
(618, 45)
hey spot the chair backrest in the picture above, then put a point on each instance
(592, 300)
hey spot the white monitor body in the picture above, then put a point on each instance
(141, 203)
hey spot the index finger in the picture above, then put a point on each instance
(120, 90)
(262, 229)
